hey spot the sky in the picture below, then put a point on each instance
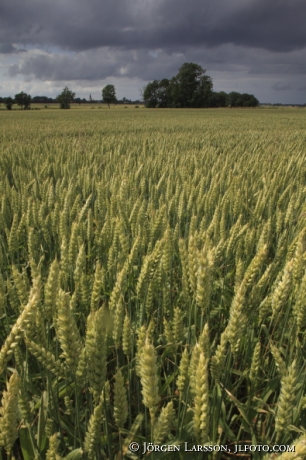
(252, 46)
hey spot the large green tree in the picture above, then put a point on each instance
(191, 87)
(157, 94)
(23, 100)
(109, 95)
(65, 98)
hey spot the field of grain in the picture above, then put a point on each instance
(152, 283)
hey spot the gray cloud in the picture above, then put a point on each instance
(7, 48)
(276, 25)
(281, 86)
(99, 64)
(157, 63)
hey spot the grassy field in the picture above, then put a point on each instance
(152, 283)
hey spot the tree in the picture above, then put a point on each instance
(242, 100)
(191, 87)
(42, 99)
(109, 95)
(250, 101)
(233, 99)
(202, 96)
(150, 94)
(219, 99)
(156, 94)
(23, 100)
(164, 96)
(65, 98)
(9, 101)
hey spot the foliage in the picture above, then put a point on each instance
(192, 88)
(23, 100)
(42, 99)
(65, 98)
(109, 95)
(235, 99)
(219, 99)
(151, 94)
(152, 282)
(157, 94)
(9, 101)
(189, 88)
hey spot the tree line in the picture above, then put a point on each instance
(22, 99)
(192, 88)
(67, 96)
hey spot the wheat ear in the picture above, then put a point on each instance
(149, 378)
(9, 413)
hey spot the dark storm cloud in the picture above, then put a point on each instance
(281, 86)
(99, 64)
(159, 63)
(7, 48)
(277, 25)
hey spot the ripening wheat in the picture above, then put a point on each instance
(152, 280)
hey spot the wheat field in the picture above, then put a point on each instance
(152, 283)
